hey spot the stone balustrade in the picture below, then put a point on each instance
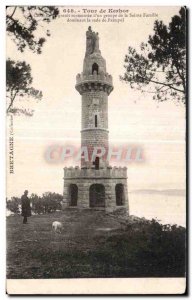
(105, 78)
(109, 172)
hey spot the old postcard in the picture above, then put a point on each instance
(96, 151)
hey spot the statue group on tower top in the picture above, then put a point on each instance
(92, 42)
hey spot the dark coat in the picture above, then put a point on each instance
(25, 206)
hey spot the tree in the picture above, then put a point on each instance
(13, 204)
(52, 202)
(18, 84)
(22, 23)
(160, 65)
(37, 204)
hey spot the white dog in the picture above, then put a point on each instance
(57, 226)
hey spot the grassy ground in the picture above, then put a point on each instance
(91, 245)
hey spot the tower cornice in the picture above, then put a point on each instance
(96, 82)
(94, 129)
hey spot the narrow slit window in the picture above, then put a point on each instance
(95, 120)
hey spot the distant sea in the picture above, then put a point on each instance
(168, 207)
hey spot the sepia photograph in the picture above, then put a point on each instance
(96, 102)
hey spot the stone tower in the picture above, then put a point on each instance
(95, 184)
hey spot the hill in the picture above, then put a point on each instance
(93, 244)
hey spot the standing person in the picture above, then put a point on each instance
(26, 208)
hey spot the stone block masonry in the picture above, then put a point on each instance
(95, 184)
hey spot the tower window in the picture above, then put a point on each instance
(96, 163)
(95, 120)
(95, 67)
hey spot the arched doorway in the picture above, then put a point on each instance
(95, 67)
(97, 195)
(73, 195)
(120, 195)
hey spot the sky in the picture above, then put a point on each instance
(134, 118)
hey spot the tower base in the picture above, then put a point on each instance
(104, 189)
